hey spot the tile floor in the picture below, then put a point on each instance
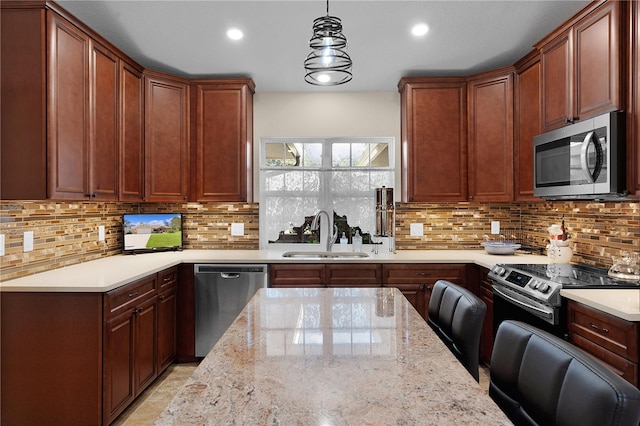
(148, 406)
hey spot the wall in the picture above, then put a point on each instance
(301, 114)
(66, 233)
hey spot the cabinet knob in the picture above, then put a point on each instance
(161, 297)
(571, 120)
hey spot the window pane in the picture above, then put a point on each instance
(293, 155)
(274, 154)
(360, 154)
(312, 154)
(360, 181)
(340, 155)
(380, 155)
(274, 180)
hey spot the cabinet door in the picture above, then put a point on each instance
(556, 59)
(103, 112)
(491, 138)
(434, 139)
(145, 351)
(131, 134)
(486, 339)
(526, 125)
(418, 295)
(167, 315)
(597, 62)
(68, 121)
(166, 139)
(633, 143)
(118, 363)
(224, 141)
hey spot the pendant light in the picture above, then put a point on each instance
(327, 64)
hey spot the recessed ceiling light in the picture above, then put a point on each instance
(419, 29)
(234, 34)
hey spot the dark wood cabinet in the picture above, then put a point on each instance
(167, 317)
(131, 133)
(612, 340)
(527, 104)
(416, 280)
(166, 138)
(67, 107)
(353, 275)
(64, 106)
(82, 111)
(129, 344)
(434, 139)
(297, 275)
(224, 139)
(491, 136)
(581, 67)
(486, 295)
(633, 114)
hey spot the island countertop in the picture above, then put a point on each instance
(334, 356)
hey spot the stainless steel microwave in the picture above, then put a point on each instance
(585, 160)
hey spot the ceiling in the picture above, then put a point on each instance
(188, 38)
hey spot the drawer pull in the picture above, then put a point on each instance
(134, 294)
(167, 278)
(423, 274)
(161, 297)
(604, 330)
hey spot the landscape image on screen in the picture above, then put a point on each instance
(159, 231)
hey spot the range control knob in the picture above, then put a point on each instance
(544, 287)
(501, 271)
(534, 284)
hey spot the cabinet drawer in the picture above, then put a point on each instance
(615, 334)
(619, 365)
(129, 295)
(300, 275)
(354, 275)
(167, 278)
(416, 273)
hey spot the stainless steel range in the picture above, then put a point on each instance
(531, 293)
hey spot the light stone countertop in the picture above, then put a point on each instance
(340, 356)
(106, 274)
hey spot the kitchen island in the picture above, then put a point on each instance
(330, 356)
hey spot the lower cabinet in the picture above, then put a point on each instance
(82, 358)
(486, 339)
(415, 280)
(325, 275)
(610, 339)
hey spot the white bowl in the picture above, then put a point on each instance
(500, 247)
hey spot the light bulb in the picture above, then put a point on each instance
(420, 29)
(328, 56)
(324, 78)
(234, 34)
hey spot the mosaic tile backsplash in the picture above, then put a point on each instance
(66, 233)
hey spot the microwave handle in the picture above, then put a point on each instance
(591, 176)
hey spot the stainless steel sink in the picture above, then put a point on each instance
(325, 254)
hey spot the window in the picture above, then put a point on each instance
(299, 177)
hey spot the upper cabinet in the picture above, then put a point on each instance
(61, 105)
(166, 138)
(633, 115)
(224, 139)
(131, 133)
(434, 139)
(526, 123)
(581, 67)
(491, 136)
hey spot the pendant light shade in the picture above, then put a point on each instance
(327, 64)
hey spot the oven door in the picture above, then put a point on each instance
(509, 305)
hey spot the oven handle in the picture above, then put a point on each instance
(539, 312)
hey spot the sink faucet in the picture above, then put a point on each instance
(330, 238)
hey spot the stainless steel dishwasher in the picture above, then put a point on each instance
(221, 293)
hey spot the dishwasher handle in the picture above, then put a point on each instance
(229, 275)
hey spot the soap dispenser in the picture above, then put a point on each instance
(357, 242)
(343, 242)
